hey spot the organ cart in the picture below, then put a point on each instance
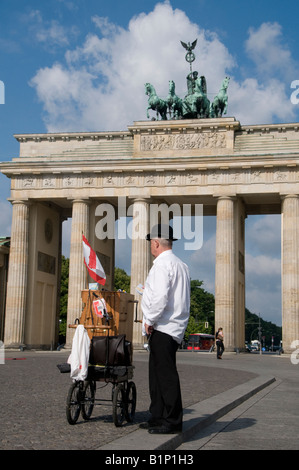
(108, 319)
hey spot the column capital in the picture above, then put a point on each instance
(227, 197)
(79, 200)
(25, 202)
(147, 199)
(289, 196)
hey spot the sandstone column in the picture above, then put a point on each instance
(225, 270)
(17, 276)
(290, 271)
(77, 272)
(140, 257)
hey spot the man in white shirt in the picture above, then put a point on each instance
(166, 307)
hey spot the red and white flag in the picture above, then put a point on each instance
(93, 264)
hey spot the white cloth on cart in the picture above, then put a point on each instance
(79, 356)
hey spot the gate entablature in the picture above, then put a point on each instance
(108, 165)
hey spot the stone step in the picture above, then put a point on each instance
(101, 149)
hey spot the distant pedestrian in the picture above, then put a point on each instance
(220, 343)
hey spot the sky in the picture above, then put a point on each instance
(81, 65)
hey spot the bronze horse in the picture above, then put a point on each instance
(219, 105)
(155, 103)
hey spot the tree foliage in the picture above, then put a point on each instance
(64, 285)
(121, 280)
(202, 308)
(268, 329)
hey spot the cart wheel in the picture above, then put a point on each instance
(130, 402)
(88, 399)
(73, 403)
(118, 401)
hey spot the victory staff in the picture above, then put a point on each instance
(166, 307)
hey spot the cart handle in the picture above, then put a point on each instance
(135, 302)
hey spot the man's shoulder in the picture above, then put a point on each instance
(171, 259)
(168, 256)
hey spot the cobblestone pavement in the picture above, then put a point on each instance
(34, 392)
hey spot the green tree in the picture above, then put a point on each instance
(122, 280)
(195, 326)
(64, 284)
(268, 329)
(202, 308)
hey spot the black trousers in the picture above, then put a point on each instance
(164, 382)
(220, 348)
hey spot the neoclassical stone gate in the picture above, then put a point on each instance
(233, 170)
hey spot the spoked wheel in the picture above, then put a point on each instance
(73, 402)
(130, 402)
(88, 398)
(118, 403)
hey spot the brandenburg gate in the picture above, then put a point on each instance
(232, 170)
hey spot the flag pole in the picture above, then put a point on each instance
(86, 270)
(86, 278)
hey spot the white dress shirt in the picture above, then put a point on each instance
(166, 298)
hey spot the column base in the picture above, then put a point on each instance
(28, 347)
(20, 346)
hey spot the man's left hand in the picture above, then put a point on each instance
(148, 328)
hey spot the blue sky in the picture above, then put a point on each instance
(81, 65)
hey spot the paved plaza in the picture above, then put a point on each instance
(223, 405)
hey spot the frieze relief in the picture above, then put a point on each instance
(160, 178)
(49, 182)
(280, 176)
(88, 181)
(183, 141)
(69, 182)
(29, 183)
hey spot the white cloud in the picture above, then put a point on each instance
(68, 97)
(263, 235)
(266, 98)
(49, 33)
(101, 84)
(266, 48)
(111, 69)
(267, 302)
(262, 268)
(260, 103)
(53, 34)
